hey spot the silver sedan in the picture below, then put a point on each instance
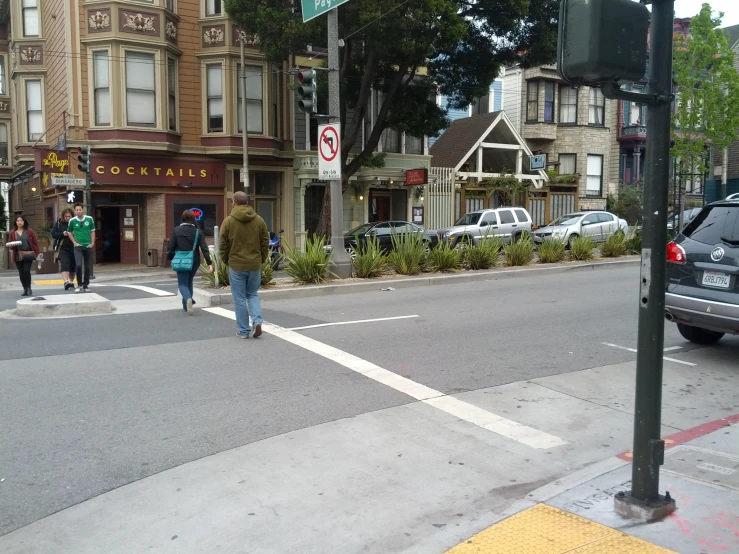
(596, 225)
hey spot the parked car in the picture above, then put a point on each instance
(506, 223)
(734, 196)
(673, 222)
(596, 225)
(384, 231)
(702, 288)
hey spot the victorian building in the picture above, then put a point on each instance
(153, 88)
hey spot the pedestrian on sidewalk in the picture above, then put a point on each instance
(64, 247)
(244, 247)
(24, 253)
(81, 230)
(188, 238)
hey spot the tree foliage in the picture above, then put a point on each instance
(407, 50)
(707, 99)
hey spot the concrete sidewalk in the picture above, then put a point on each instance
(701, 474)
(9, 279)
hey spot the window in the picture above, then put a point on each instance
(605, 218)
(3, 90)
(413, 145)
(172, 93)
(212, 7)
(140, 89)
(34, 108)
(3, 144)
(568, 105)
(214, 84)
(715, 225)
(567, 164)
(383, 229)
(170, 5)
(549, 102)
(595, 175)
(506, 217)
(521, 215)
(254, 96)
(489, 219)
(391, 140)
(30, 18)
(532, 104)
(597, 107)
(101, 86)
(208, 219)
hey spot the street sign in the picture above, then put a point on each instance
(66, 181)
(329, 145)
(538, 162)
(314, 8)
(241, 175)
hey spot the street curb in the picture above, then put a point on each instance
(207, 299)
(132, 278)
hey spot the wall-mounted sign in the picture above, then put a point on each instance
(417, 176)
(418, 214)
(157, 171)
(128, 221)
(50, 161)
(198, 213)
(128, 235)
(538, 162)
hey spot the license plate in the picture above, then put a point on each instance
(716, 279)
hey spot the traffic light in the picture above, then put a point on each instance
(307, 94)
(602, 41)
(83, 157)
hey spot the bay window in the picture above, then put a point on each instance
(597, 107)
(172, 93)
(30, 18)
(212, 7)
(532, 101)
(35, 112)
(214, 85)
(3, 89)
(254, 100)
(3, 144)
(568, 105)
(140, 89)
(101, 86)
(594, 184)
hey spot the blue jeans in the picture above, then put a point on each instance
(184, 283)
(244, 287)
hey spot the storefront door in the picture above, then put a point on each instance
(129, 234)
(266, 209)
(379, 206)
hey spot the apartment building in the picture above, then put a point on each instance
(153, 87)
(574, 128)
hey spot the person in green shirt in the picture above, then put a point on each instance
(82, 232)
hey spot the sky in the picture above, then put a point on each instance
(689, 8)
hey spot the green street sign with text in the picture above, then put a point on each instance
(314, 8)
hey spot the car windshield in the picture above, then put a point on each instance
(569, 219)
(468, 219)
(361, 230)
(715, 224)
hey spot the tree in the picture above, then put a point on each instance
(407, 50)
(3, 216)
(707, 98)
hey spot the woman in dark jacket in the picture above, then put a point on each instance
(25, 253)
(183, 239)
(64, 247)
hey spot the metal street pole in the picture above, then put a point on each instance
(90, 209)
(341, 263)
(648, 445)
(244, 119)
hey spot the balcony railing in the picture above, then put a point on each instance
(632, 132)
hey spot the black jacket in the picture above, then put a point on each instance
(183, 238)
(59, 239)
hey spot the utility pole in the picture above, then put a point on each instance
(649, 448)
(342, 266)
(724, 174)
(244, 119)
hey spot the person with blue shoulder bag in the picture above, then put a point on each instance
(185, 245)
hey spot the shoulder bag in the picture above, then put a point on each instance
(183, 259)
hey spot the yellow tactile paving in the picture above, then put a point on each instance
(545, 530)
(48, 282)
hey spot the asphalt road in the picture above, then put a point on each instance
(88, 405)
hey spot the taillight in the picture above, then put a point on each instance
(675, 253)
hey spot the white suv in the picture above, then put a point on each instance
(506, 223)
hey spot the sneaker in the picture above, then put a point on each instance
(86, 289)
(258, 331)
(242, 336)
(78, 289)
(190, 309)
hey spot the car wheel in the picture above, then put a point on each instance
(699, 335)
(351, 253)
(463, 242)
(571, 239)
(426, 247)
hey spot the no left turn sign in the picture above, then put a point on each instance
(329, 145)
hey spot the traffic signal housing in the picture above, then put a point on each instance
(83, 159)
(307, 93)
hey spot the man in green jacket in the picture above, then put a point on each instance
(244, 247)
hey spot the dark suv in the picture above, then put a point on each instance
(702, 294)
